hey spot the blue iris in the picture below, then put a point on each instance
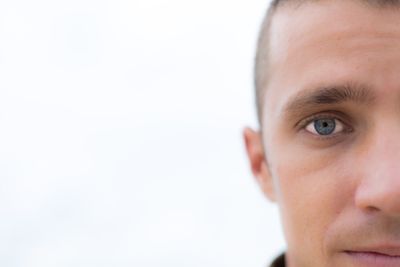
(324, 126)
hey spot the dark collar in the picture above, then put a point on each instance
(279, 262)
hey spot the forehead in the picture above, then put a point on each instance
(330, 42)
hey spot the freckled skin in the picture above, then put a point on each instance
(333, 195)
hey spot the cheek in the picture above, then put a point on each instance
(310, 193)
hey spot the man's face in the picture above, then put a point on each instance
(331, 133)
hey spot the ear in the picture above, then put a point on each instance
(258, 163)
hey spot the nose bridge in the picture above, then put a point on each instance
(384, 147)
(380, 182)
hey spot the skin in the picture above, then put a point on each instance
(341, 193)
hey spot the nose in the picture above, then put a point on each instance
(379, 186)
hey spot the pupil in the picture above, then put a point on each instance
(324, 126)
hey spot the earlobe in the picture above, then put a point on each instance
(258, 163)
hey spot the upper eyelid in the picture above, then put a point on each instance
(346, 120)
(304, 122)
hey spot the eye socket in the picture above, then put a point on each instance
(325, 126)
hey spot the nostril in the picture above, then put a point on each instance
(371, 209)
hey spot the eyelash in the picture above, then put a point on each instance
(304, 123)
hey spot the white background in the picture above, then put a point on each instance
(120, 138)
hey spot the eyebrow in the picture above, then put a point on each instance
(329, 95)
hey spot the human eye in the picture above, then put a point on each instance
(325, 126)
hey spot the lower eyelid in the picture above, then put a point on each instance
(333, 138)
